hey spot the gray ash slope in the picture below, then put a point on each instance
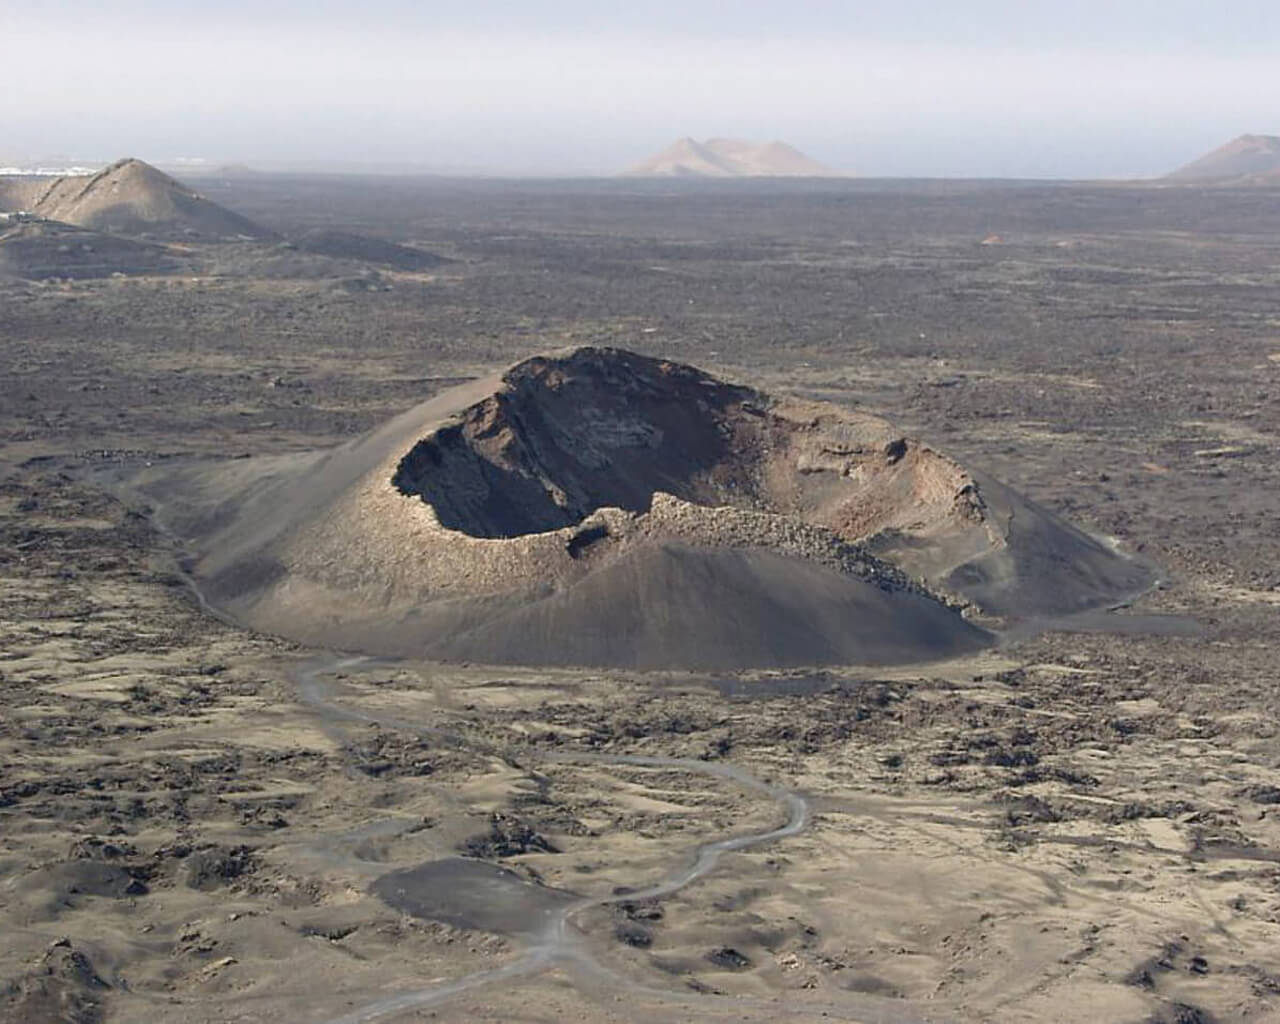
(34, 248)
(596, 507)
(345, 245)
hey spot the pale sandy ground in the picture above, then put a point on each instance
(1069, 830)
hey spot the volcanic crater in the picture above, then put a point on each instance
(598, 507)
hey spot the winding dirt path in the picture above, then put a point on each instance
(561, 945)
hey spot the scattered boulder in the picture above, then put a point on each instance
(62, 987)
(212, 867)
(728, 959)
(507, 836)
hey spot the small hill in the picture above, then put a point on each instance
(133, 198)
(1248, 159)
(730, 158)
(34, 248)
(235, 171)
(598, 507)
(344, 245)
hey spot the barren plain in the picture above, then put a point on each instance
(204, 824)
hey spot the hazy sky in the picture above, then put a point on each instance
(913, 87)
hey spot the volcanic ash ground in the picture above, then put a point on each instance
(596, 507)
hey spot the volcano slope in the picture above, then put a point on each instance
(130, 197)
(344, 245)
(596, 507)
(35, 249)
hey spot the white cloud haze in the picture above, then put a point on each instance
(499, 90)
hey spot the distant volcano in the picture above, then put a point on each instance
(1249, 159)
(597, 507)
(730, 158)
(129, 198)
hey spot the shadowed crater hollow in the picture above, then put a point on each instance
(600, 429)
(598, 507)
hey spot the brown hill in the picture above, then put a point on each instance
(133, 198)
(730, 158)
(34, 248)
(1249, 158)
(596, 507)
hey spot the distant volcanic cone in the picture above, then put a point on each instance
(1248, 159)
(730, 158)
(597, 507)
(131, 197)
